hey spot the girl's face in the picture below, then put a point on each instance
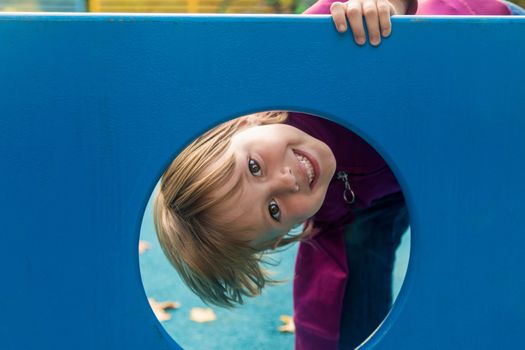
(284, 175)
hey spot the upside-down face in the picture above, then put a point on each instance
(284, 176)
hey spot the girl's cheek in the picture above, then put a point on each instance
(301, 208)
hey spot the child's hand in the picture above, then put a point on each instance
(375, 12)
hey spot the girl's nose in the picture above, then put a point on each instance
(285, 182)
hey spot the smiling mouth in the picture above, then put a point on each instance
(308, 167)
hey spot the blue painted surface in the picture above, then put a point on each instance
(93, 108)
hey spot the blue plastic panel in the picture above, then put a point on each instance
(93, 108)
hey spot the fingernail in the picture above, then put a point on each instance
(360, 40)
(386, 33)
(341, 28)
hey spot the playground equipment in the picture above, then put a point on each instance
(93, 108)
(43, 5)
(185, 6)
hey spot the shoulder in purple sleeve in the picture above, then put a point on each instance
(436, 7)
(322, 7)
(463, 7)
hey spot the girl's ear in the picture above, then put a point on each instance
(249, 120)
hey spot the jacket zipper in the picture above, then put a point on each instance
(348, 194)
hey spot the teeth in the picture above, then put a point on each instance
(308, 166)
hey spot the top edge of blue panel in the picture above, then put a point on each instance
(161, 17)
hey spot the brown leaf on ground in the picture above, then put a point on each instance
(159, 308)
(288, 326)
(143, 246)
(202, 315)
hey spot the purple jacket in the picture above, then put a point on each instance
(321, 267)
(436, 7)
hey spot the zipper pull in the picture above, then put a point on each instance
(341, 175)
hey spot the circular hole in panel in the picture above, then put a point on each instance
(271, 179)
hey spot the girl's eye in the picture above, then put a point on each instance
(274, 210)
(255, 168)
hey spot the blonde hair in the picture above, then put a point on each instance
(217, 267)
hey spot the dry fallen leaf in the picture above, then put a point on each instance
(143, 246)
(288, 326)
(202, 315)
(159, 308)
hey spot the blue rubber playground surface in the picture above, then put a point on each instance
(253, 325)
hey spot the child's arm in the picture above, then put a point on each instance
(376, 14)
